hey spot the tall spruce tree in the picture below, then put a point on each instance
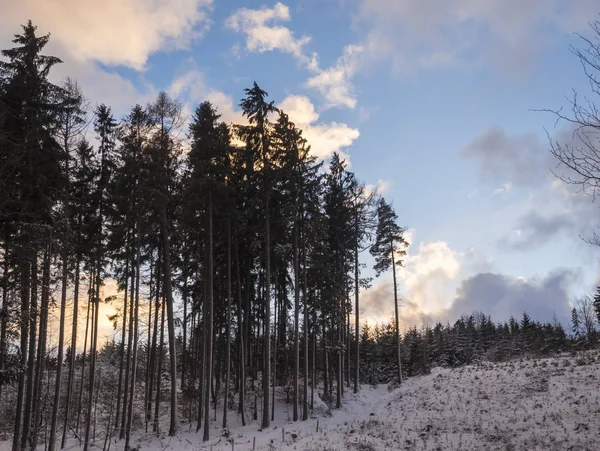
(32, 178)
(257, 137)
(388, 251)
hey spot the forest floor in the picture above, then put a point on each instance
(545, 404)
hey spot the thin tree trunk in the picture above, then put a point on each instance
(202, 360)
(61, 339)
(85, 341)
(160, 366)
(326, 391)
(174, 425)
(184, 356)
(147, 383)
(123, 329)
(339, 375)
(71, 377)
(209, 319)
(266, 374)
(296, 321)
(153, 352)
(305, 300)
(135, 319)
(275, 333)
(348, 345)
(4, 314)
(94, 347)
(356, 310)
(126, 392)
(242, 361)
(397, 320)
(97, 393)
(25, 322)
(32, 355)
(313, 377)
(227, 325)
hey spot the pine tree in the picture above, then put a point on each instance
(164, 152)
(257, 137)
(596, 303)
(105, 127)
(32, 179)
(575, 323)
(388, 250)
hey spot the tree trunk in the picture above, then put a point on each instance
(41, 354)
(348, 346)
(242, 360)
(126, 392)
(397, 319)
(227, 325)
(209, 319)
(267, 310)
(296, 321)
(153, 352)
(160, 367)
(32, 354)
(71, 377)
(94, 347)
(135, 319)
(275, 346)
(4, 314)
(61, 339)
(313, 376)
(174, 425)
(356, 310)
(305, 301)
(88, 320)
(184, 356)
(326, 391)
(25, 322)
(124, 328)
(147, 383)
(339, 375)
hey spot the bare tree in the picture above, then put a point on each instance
(584, 307)
(578, 156)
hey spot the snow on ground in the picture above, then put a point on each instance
(545, 404)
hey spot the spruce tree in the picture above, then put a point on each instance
(388, 251)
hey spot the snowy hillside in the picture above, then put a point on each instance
(550, 404)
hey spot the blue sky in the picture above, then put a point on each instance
(429, 99)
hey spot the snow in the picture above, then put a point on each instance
(549, 404)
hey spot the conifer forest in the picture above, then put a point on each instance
(231, 262)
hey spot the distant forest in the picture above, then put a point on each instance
(238, 260)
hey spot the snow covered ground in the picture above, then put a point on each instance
(549, 404)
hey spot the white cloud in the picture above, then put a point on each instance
(192, 87)
(264, 36)
(300, 110)
(426, 284)
(324, 138)
(431, 290)
(334, 83)
(428, 275)
(427, 34)
(114, 32)
(104, 86)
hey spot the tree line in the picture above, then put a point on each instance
(236, 254)
(237, 257)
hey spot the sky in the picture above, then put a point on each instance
(432, 101)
